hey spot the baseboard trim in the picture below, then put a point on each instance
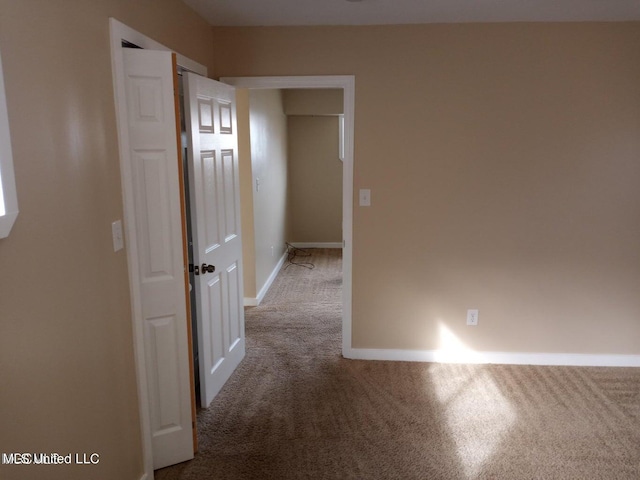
(316, 244)
(254, 302)
(250, 302)
(508, 358)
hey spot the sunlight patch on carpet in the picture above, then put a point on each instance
(478, 415)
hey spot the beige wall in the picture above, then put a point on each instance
(314, 101)
(503, 163)
(315, 179)
(268, 126)
(246, 194)
(66, 348)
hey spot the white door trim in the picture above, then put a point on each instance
(119, 32)
(347, 84)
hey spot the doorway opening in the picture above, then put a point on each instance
(345, 83)
(292, 171)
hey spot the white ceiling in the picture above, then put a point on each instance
(384, 12)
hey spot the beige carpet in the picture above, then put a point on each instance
(295, 409)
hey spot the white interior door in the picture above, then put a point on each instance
(149, 79)
(215, 203)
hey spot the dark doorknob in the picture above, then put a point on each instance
(208, 268)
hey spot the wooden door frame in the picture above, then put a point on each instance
(347, 84)
(119, 32)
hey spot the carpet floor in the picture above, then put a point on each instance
(295, 409)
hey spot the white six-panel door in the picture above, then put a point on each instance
(215, 201)
(149, 79)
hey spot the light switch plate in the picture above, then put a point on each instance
(116, 233)
(365, 197)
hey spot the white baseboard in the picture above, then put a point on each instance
(508, 358)
(250, 301)
(254, 302)
(316, 244)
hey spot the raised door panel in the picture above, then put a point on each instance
(216, 351)
(226, 117)
(163, 357)
(235, 325)
(154, 205)
(210, 210)
(205, 115)
(229, 185)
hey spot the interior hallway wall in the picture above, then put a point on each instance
(246, 194)
(268, 127)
